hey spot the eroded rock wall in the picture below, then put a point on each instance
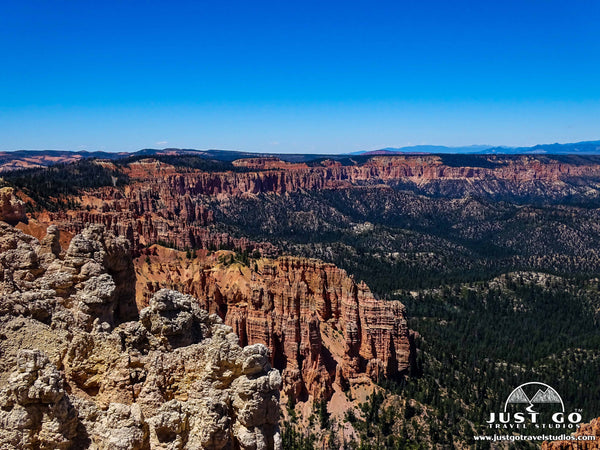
(174, 206)
(79, 369)
(320, 326)
(591, 429)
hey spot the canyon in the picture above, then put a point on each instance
(277, 250)
(174, 205)
(322, 327)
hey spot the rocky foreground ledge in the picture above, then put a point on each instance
(80, 369)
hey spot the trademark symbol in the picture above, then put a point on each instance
(579, 410)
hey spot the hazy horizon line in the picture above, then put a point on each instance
(390, 148)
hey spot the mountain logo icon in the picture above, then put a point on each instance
(544, 394)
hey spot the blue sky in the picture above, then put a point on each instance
(297, 76)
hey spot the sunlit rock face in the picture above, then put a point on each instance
(587, 429)
(81, 369)
(320, 326)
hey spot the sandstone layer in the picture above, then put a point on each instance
(79, 367)
(320, 326)
(588, 429)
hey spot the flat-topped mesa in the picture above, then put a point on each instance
(320, 326)
(80, 370)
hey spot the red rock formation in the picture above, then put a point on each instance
(171, 377)
(319, 324)
(173, 206)
(12, 210)
(588, 429)
(293, 177)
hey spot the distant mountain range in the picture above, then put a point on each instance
(26, 159)
(580, 148)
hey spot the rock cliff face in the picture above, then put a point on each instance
(12, 210)
(271, 175)
(320, 326)
(175, 205)
(80, 369)
(588, 429)
(148, 211)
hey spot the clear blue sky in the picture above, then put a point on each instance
(306, 76)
